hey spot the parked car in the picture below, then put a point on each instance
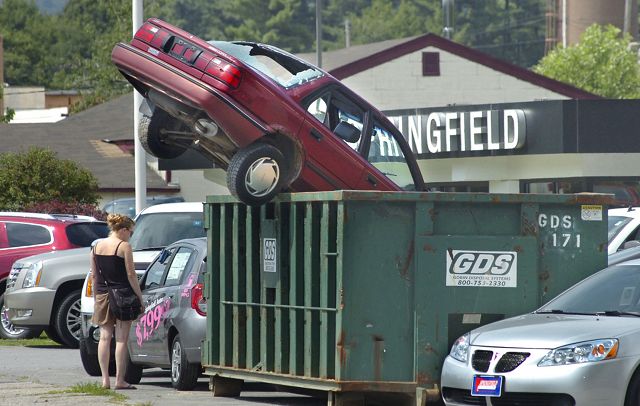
(578, 349)
(270, 119)
(623, 255)
(46, 293)
(26, 234)
(169, 333)
(624, 228)
(156, 227)
(127, 205)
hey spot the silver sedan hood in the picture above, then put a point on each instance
(548, 331)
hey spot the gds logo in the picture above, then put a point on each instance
(494, 263)
(269, 252)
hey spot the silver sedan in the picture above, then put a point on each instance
(169, 333)
(582, 348)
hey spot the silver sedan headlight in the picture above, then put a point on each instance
(32, 275)
(587, 351)
(460, 349)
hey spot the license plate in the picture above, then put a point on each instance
(486, 385)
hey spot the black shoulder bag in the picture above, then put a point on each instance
(123, 302)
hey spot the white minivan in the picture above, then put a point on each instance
(156, 227)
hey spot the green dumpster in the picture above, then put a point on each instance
(362, 293)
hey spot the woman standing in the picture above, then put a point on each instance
(112, 260)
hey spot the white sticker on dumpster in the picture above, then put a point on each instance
(591, 212)
(269, 252)
(498, 269)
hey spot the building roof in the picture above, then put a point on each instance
(80, 138)
(347, 62)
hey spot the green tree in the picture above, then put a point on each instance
(390, 19)
(283, 23)
(37, 176)
(7, 116)
(82, 48)
(202, 18)
(23, 29)
(601, 63)
(512, 30)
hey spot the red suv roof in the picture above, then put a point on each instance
(26, 234)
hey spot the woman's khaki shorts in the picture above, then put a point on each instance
(101, 313)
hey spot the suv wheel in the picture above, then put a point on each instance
(255, 173)
(89, 361)
(154, 138)
(8, 330)
(133, 373)
(184, 375)
(67, 319)
(53, 335)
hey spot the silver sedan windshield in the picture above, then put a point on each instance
(613, 291)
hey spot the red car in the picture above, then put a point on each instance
(26, 234)
(272, 120)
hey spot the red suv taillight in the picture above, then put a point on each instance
(146, 33)
(198, 302)
(224, 71)
(173, 45)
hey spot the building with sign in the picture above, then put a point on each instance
(561, 146)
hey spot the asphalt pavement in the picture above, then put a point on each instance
(30, 375)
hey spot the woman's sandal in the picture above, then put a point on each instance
(128, 387)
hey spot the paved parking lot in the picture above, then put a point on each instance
(28, 375)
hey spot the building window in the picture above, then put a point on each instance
(430, 64)
(625, 192)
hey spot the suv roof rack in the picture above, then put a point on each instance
(47, 216)
(63, 216)
(26, 214)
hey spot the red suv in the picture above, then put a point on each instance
(26, 234)
(270, 119)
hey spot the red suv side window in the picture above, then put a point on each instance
(24, 235)
(3, 236)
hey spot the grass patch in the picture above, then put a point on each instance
(31, 342)
(42, 341)
(93, 389)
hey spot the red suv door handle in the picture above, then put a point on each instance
(371, 179)
(316, 134)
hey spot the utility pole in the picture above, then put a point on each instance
(564, 23)
(319, 33)
(447, 11)
(627, 17)
(139, 154)
(347, 33)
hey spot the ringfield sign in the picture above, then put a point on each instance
(466, 131)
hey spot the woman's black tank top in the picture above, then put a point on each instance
(113, 269)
